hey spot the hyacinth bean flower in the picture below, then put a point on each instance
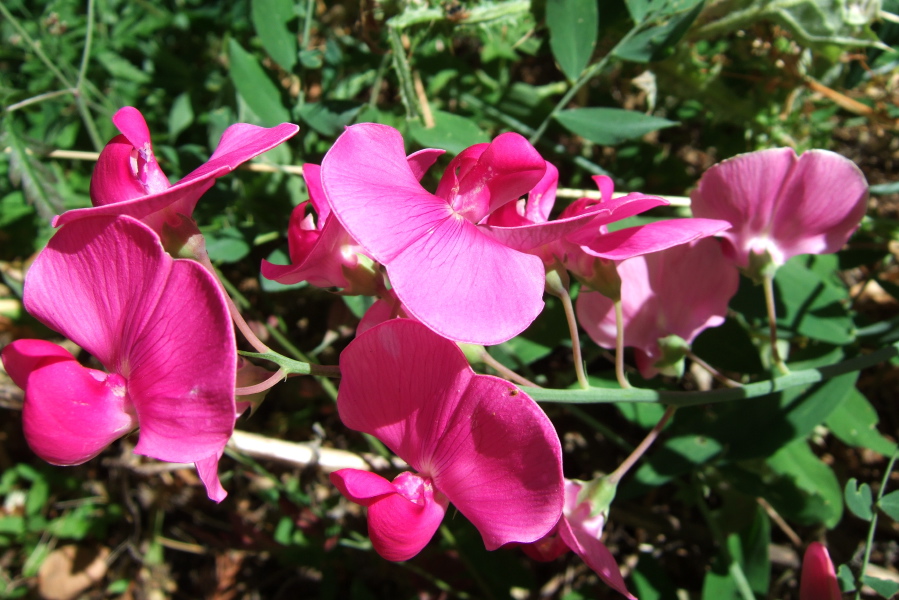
(679, 292)
(580, 529)
(160, 328)
(819, 579)
(782, 205)
(475, 441)
(128, 181)
(326, 255)
(465, 279)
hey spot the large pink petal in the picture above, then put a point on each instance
(183, 366)
(644, 239)
(448, 275)
(70, 413)
(483, 442)
(500, 463)
(466, 286)
(594, 553)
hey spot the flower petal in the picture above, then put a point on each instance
(818, 580)
(207, 469)
(652, 237)
(594, 553)
(70, 413)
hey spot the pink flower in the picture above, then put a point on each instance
(464, 279)
(580, 529)
(326, 255)
(819, 580)
(159, 326)
(128, 181)
(782, 205)
(677, 292)
(474, 440)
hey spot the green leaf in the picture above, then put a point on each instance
(813, 477)
(656, 42)
(450, 132)
(573, 29)
(885, 587)
(121, 68)
(329, 117)
(180, 116)
(859, 500)
(610, 126)
(270, 18)
(255, 87)
(890, 505)
(37, 497)
(854, 422)
(358, 305)
(847, 579)
(226, 245)
(810, 306)
(885, 188)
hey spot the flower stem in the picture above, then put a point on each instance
(727, 381)
(269, 383)
(872, 527)
(641, 449)
(558, 284)
(505, 371)
(619, 347)
(768, 285)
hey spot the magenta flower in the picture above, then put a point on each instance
(159, 326)
(819, 580)
(461, 277)
(326, 255)
(580, 529)
(128, 181)
(474, 440)
(781, 205)
(677, 292)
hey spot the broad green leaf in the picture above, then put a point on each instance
(610, 126)
(270, 18)
(858, 499)
(37, 497)
(890, 505)
(656, 42)
(525, 351)
(329, 117)
(226, 245)
(854, 422)
(13, 207)
(678, 455)
(450, 132)
(815, 478)
(847, 579)
(755, 541)
(885, 188)
(255, 87)
(121, 68)
(180, 116)
(885, 587)
(358, 305)
(719, 583)
(650, 581)
(573, 28)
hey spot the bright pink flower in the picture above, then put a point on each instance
(680, 291)
(473, 440)
(580, 529)
(782, 205)
(128, 181)
(159, 326)
(326, 255)
(819, 580)
(463, 278)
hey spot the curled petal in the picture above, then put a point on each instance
(207, 469)
(594, 553)
(70, 413)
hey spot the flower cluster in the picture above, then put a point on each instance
(466, 263)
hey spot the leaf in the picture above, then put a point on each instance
(573, 29)
(814, 478)
(854, 422)
(858, 499)
(121, 68)
(890, 505)
(450, 132)
(180, 116)
(270, 18)
(656, 42)
(610, 126)
(885, 188)
(255, 87)
(329, 117)
(885, 587)
(847, 579)
(226, 245)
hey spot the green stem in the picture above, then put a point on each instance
(295, 367)
(768, 286)
(751, 390)
(83, 108)
(859, 582)
(641, 449)
(403, 73)
(619, 347)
